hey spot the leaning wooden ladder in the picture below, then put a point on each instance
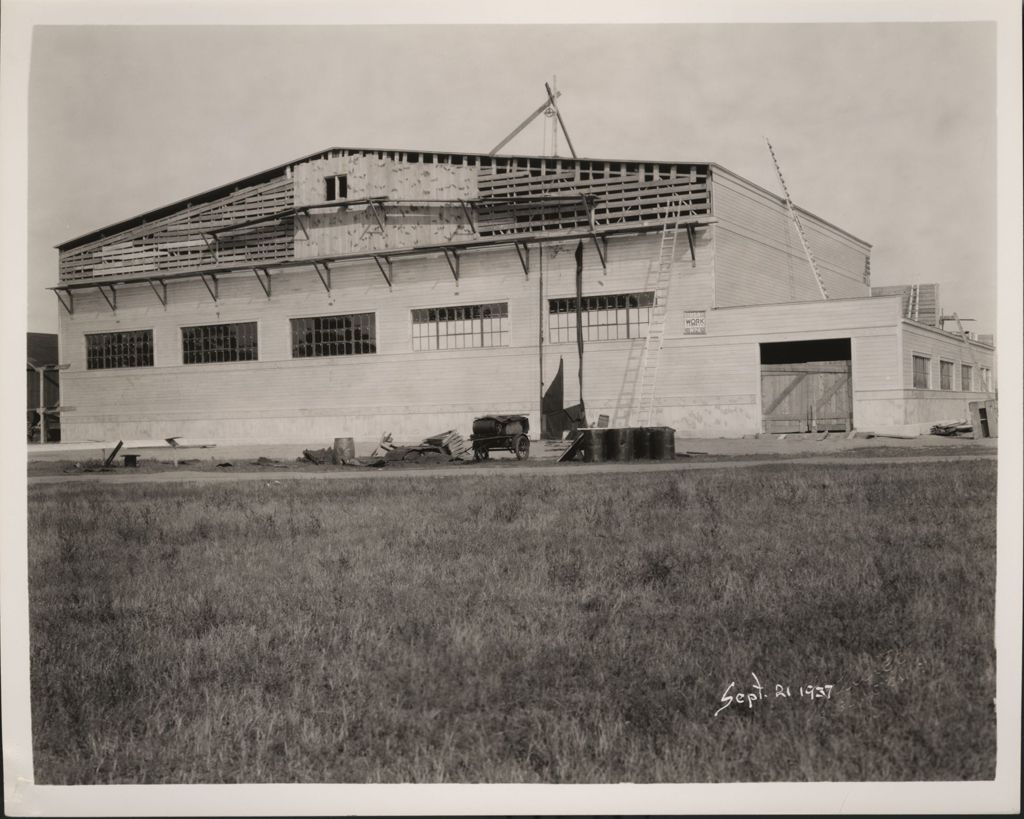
(643, 405)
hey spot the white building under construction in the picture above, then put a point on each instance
(355, 291)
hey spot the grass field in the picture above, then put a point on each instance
(518, 629)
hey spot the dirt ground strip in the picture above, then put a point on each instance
(246, 472)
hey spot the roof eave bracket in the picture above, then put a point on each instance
(265, 285)
(523, 251)
(452, 257)
(111, 300)
(325, 276)
(386, 272)
(163, 286)
(213, 290)
(68, 305)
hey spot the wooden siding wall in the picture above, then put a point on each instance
(759, 258)
(937, 346)
(411, 394)
(732, 349)
(182, 240)
(611, 368)
(280, 398)
(707, 384)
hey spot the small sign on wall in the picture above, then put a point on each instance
(694, 323)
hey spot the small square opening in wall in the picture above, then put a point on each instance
(336, 187)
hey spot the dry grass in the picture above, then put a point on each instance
(517, 629)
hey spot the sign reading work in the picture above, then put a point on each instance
(694, 323)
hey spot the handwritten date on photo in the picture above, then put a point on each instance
(757, 692)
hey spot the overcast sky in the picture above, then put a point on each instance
(887, 130)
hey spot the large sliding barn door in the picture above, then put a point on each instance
(811, 396)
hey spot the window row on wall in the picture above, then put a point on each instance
(625, 315)
(969, 380)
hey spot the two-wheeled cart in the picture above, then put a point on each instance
(501, 432)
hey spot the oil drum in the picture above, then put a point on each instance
(641, 443)
(663, 443)
(618, 443)
(593, 445)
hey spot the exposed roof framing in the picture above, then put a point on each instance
(383, 259)
(284, 170)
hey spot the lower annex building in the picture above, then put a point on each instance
(357, 291)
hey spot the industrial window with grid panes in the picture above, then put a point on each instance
(353, 334)
(218, 343)
(604, 318)
(131, 348)
(460, 327)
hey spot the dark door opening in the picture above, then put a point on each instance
(806, 386)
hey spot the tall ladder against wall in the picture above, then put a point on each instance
(643, 405)
(799, 225)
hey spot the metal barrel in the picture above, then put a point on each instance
(486, 427)
(618, 444)
(641, 443)
(663, 443)
(593, 445)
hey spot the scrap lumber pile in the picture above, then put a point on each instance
(445, 446)
(955, 429)
(449, 442)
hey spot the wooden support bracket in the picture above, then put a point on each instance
(163, 287)
(301, 223)
(111, 300)
(325, 277)
(377, 215)
(68, 305)
(469, 215)
(215, 289)
(691, 237)
(264, 285)
(452, 257)
(523, 250)
(385, 272)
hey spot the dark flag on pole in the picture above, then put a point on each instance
(579, 314)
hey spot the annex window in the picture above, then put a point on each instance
(132, 348)
(922, 375)
(625, 315)
(966, 378)
(215, 343)
(336, 187)
(454, 328)
(986, 379)
(945, 375)
(354, 334)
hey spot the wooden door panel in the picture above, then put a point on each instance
(807, 397)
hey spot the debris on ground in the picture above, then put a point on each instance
(318, 456)
(273, 463)
(226, 463)
(112, 455)
(954, 429)
(449, 442)
(89, 466)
